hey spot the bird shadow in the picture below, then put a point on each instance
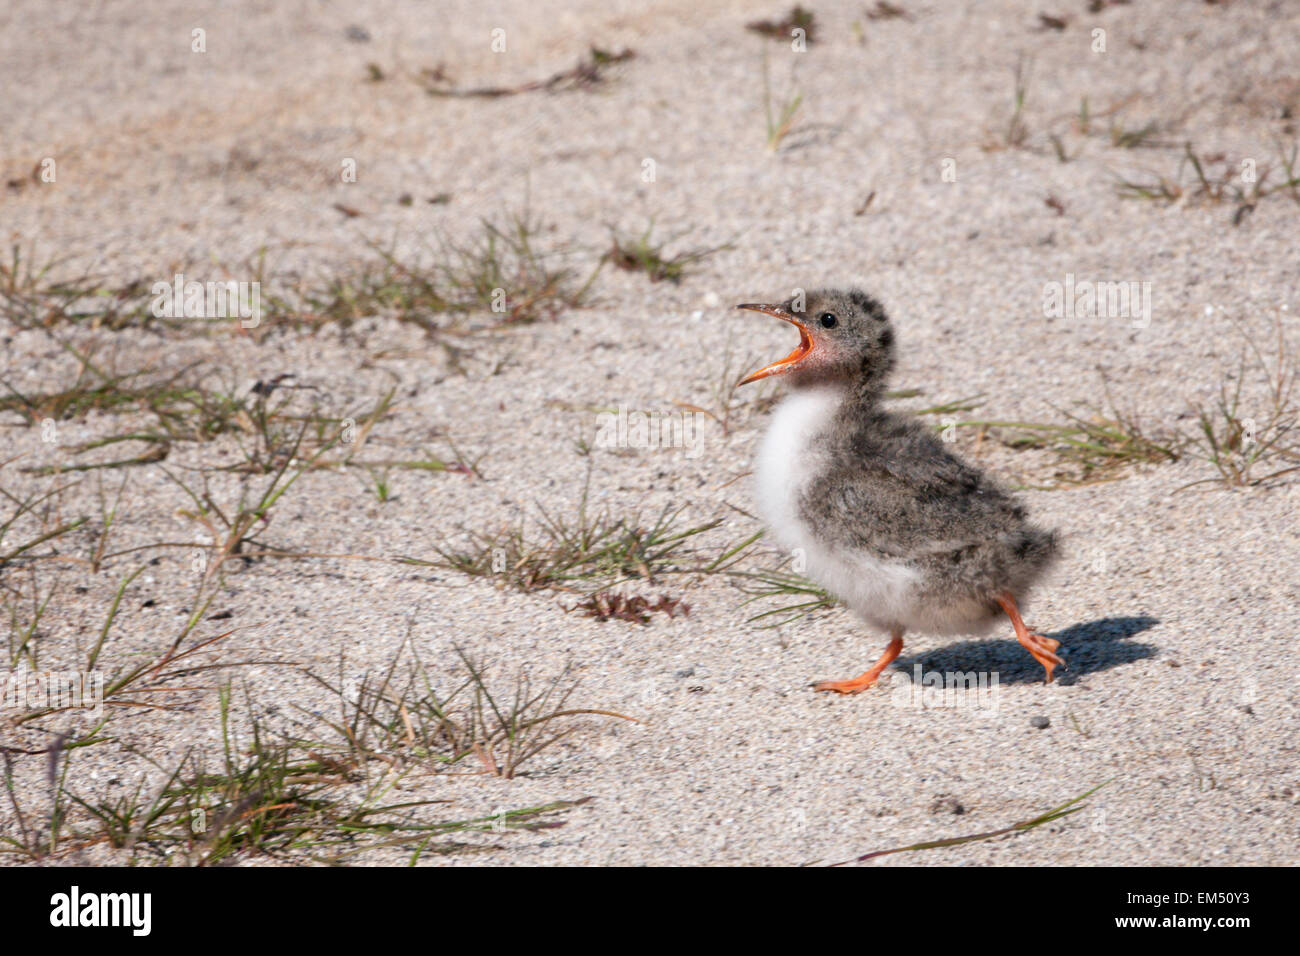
(1087, 648)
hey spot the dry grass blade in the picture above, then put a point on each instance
(1056, 813)
(1013, 132)
(590, 71)
(780, 123)
(26, 515)
(808, 598)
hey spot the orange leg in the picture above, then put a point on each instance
(863, 681)
(1043, 648)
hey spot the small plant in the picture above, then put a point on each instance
(726, 396)
(23, 623)
(640, 254)
(1094, 445)
(1013, 132)
(275, 794)
(595, 550)
(500, 271)
(777, 580)
(582, 552)
(266, 798)
(1017, 132)
(233, 531)
(403, 721)
(94, 391)
(780, 122)
(1237, 444)
(1215, 179)
(17, 547)
(1142, 137)
(943, 408)
(379, 484)
(31, 297)
(506, 258)
(132, 684)
(34, 843)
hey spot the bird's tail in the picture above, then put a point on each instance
(1035, 550)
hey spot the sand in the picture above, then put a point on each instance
(1176, 608)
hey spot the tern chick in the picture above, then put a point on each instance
(889, 521)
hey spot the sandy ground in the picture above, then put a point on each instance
(1177, 610)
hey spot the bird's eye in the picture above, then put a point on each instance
(828, 321)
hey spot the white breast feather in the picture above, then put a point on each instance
(881, 592)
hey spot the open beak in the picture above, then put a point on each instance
(801, 350)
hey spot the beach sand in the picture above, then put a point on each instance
(1176, 608)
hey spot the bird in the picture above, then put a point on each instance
(886, 518)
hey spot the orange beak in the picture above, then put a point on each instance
(801, 350)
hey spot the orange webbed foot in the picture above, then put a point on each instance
(855, 686)
(1038, 646)
(1041, 640)
(1042, 648)
(863, 681)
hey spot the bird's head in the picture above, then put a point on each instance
(844, 336)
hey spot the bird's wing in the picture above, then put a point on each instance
(907, 496)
